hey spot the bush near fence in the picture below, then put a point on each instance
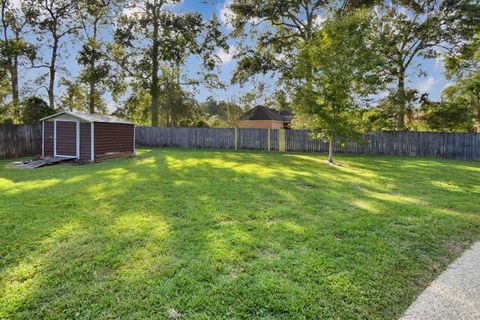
(26, 140)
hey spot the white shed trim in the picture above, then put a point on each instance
(54, 138)
(92, 141)
(78, 139)
(43, 139)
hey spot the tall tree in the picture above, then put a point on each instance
(278, 29)
(150, 36)
(54, 21)
(340, 69)
(94, 16)
(174, 101)
(420, 28)
(13, 45)
(464, 68)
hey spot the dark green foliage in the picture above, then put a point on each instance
(221, 113)
(464, 67)
(196, 123)
(422, 28)
(447, 116)
(384, 115)
(136, 108)
(340, 69)
(34, 109)
(291, 23)
(15, 50)
(152, 40)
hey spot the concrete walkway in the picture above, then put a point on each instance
(455, 294)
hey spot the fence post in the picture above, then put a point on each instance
(269, 139)
(281, 140)
(236, 138)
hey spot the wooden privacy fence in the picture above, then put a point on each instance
(20, 140)
(26, 140)
(425, 144)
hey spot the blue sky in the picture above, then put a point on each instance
(433, 83)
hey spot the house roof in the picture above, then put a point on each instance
(264, 113)
(90, 117)
(286, 115)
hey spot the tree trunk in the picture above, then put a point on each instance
(91, 98)
(330, 151)
(154, 90)
(91, 102)
(15, 90)
(14, 75)
(51, 85)
(477, 124)
(401, 99)
(12, 65)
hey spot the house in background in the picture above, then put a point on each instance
(265, 118)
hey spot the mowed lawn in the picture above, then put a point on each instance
(196, 234)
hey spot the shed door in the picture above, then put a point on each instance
(66, 138)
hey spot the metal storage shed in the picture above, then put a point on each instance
(86, 137)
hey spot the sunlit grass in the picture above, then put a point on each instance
(219, 234)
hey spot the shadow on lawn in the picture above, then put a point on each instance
(224, 234)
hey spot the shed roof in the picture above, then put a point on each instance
(90, 117)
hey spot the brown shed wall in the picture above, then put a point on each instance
(85, 141)
(113, 137)
(48, 138)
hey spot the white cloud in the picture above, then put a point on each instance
(280, 56)
(136, 8)
(319, 21)
(226, 57)
(112, 106)
(226, 14)
(173, 6)
(133, 9)
(16, 5)
(427, 85)
(255, 20)
(438, 63)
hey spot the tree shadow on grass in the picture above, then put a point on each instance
(226, 235)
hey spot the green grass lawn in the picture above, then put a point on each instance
(222, 235)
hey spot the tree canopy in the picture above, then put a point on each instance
(345, 66)
(339, 68)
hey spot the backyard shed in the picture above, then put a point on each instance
(86, 137)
